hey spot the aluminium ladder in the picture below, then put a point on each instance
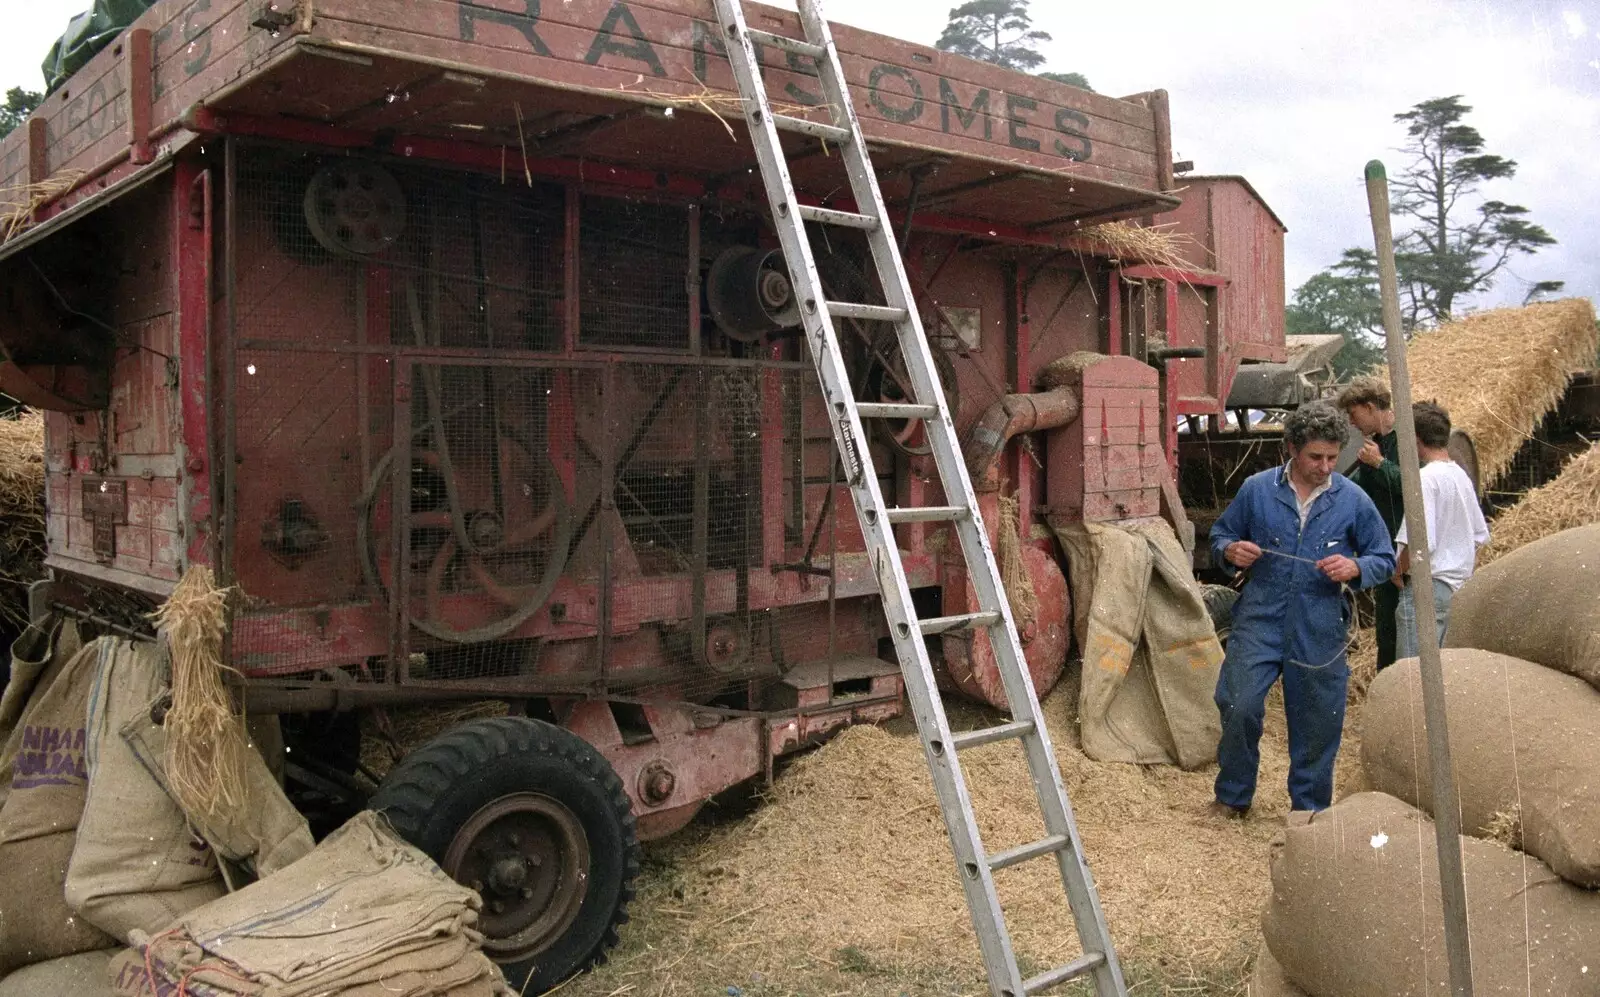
(976, 866)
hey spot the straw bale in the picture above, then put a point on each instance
(1500, 372)
(21, 512)
(1570, 500)
(849, 855)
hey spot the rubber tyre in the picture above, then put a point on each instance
(1219, 601)
(438, 788)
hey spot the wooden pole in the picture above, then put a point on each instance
(1446, 809)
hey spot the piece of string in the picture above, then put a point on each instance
(1344, 594)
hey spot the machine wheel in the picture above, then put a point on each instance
(1219, 601)
(536, 821)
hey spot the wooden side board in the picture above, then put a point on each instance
(640, 50)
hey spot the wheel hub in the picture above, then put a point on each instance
(484, 530)
(527, 855)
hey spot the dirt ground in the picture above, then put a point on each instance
(838, 879)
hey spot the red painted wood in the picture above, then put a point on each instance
(140, 85)
(192, 223)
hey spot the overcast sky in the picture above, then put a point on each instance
(1297, 96)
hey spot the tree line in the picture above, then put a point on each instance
(1451, 241)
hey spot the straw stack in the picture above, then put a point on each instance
(1572, 499)
(1499, 373)
(21, 513)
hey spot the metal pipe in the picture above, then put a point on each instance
(1010, 415)
(1447, 814)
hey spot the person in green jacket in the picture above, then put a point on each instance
(1366, 401)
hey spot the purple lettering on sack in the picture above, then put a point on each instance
(52, 756)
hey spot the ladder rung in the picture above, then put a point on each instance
(1071, 971)
(989, 735)
(843, 219)
(927, 514)
(786, 43)
(895, 410)
(966, 621)
(867, 313)
(1022, 853)
(816, 129)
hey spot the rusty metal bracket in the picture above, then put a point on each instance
(274, 18)
(105, 506)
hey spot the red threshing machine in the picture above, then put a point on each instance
(453, 334)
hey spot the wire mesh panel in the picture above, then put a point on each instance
(634, 273)
(436, 487)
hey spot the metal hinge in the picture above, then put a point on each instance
(276, 16)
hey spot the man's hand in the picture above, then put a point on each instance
(1398, 581)
(1241, 553)
(1339, 568)
(1370, 455)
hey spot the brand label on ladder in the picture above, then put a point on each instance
(852, 458)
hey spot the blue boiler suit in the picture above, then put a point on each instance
(1291, 620)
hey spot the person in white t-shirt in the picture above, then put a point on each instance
(1456, 528)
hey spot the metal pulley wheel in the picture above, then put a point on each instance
(355, 208)
(750, 294)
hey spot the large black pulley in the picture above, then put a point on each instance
(353, 207)
(750, 293)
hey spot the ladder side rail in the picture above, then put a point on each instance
(982, 567)
(949, 783)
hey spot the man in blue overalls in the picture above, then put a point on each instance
(1305, 533)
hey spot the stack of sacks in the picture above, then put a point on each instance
(1355, 908)
(93, 847)
(364, 915)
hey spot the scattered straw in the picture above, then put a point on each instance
(21, 512)
(413, 726)
(849, 854)
(1363, 660)
(1499, 373)
(1570, 500)
(204, 738)
(18, 203)
(1013, 573)
(1160, 245)
(716, 103)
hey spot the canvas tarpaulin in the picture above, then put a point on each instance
(1150, 655)
(87, 33)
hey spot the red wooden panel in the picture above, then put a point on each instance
(661, 42)
(142, 403)
(1234, 233)
(1108, 464)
